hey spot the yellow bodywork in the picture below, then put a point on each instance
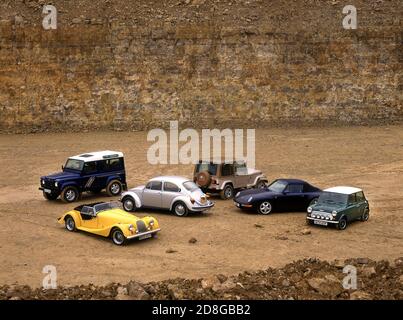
(105, 221)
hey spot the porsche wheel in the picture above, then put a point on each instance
(129, 204)
(265, 208)
(70, 194)
(118, 237)
(180, 209)
(114, 188)
(70, 224)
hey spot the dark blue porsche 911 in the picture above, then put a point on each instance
(280, 195)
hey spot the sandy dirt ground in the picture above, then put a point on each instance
(228, 240)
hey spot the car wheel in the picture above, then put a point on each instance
(50, 196)
(180, 209)
(227, 192)
(309, 222)
(70, 194)
(70, 224)
(260, 185)
(129, 204)
(365, 216)
(114, 188)
(342, 225)
(313, 202)
(118, 237)
(265, 208)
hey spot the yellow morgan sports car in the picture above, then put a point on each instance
(107, 219)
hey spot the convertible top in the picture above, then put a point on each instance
(87, 205)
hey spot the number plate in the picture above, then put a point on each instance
(146, 236)
(47, 190)
(320, 222)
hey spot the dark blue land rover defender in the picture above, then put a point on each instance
(92, 172)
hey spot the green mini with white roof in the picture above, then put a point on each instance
(339, 206)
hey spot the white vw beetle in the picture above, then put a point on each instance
(177, 194)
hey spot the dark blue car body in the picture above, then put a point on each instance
(280, 195)
(106, 172)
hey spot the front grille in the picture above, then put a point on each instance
(322, 215)
(141, 226)
(49, 184)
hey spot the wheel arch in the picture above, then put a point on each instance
(134, 196)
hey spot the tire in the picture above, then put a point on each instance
(70, 224)
(260, 184)
(313, 202)
(265, 207)
(309, 222)
(227, 192)
(70, 194)
(342, 225)
(114, 188)
(50, 196)
(118, 237)
(365, 215)
(129, 204)
(180, 209)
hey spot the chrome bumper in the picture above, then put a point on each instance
(324, 220)
(137, 235)
(201, 208)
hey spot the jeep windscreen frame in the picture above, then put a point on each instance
(74, 165)
(331, 198)
(207, 166)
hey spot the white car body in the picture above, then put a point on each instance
(151, 196)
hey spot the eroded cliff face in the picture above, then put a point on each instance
(138, 64)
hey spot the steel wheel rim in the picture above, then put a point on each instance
(260, 185)
(115, 188)
(265, 207)
(343, 224)
(180, 209)
(366, 216)
(128, 204)
(70, 195)
(118, 237)
(228, 192)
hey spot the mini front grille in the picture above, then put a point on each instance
(321, 215)
(141, 226)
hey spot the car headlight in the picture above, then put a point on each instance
(43, 182)
(334, 213)
(131, 227)
(250, 199)
(238, 193)
(309, 209)
(151, 223)
(56, 184)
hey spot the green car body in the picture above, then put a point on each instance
(339, 206)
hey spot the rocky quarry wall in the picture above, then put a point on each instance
(138, 64)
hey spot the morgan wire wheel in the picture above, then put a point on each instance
(114, 188)
(129, 204)
(69, 223)
(118, 237)
(70, 194)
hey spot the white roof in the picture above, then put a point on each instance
(173, 179)
(343, 190)
(98, 155)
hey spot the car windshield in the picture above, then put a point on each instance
(332, 198)
(106, 206)
(209, 167)
(277, 186)
(190, 186)
(73, 164)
